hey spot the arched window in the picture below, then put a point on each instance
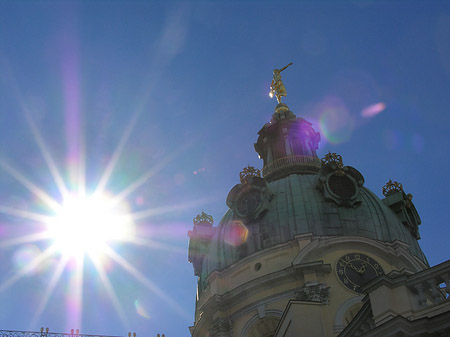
(262, 327)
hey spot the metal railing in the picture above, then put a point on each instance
(46, 333)
(304, 161)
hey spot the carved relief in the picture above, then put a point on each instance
(338, 183)
(220, 328)
(313, 292)
(251, 198)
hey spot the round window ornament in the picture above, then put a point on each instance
(249, 203)
(338, 183)
(342, 186)
(250, 199)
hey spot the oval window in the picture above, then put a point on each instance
(342, 186)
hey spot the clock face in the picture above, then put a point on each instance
(356, 269)
(249, 203)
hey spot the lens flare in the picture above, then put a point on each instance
(140, 309)
(417, 143)
(373, 110)
(335, 121)
(236, 234)
(24, 255)
(72, 225)
(392, 140)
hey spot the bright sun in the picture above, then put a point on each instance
(85, 224)
(80, 226)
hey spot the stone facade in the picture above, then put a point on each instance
(307, 250)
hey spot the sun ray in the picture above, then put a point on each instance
(147, 175)
(135, 185)
(168, 209)
(76, 161)
(42, 218)
(75, 295)
(78, 168)
(116, 155)
(28, 268)
(24, 239)
(49, 290)
(158, 245)
(144, 281)
(81, 168)
(47, 156)
(49, 201)
(110, 290)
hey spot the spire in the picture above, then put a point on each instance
(277, 87)
(287, 144)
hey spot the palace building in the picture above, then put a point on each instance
(305, 249)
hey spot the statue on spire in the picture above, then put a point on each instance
(277, 87)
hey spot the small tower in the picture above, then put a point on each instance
(199, 240)
(287, 145)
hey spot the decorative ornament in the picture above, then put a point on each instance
(338, 183)
(409, 197)
(402, 205)
(251, 198)
(391, 187)
(220, 328)
(248, 172)
(44, 334)
(313, 292)
(277, 87)
(203, 218)
(334, 160)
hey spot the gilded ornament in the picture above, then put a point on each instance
(203, 218)
(277, 87)
(391, 187)
(336, 160)
(248, 172)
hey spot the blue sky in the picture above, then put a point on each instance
(181, 89)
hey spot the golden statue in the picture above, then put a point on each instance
(277, 87)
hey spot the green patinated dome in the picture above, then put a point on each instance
(299, 207)
(299, 193)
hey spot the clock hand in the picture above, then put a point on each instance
(351, 266)
(362, 269)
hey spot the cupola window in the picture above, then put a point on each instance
(342, 186)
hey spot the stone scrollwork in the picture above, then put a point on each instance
(338, 183)
(251, 198)
(402, 205)
(220, 328)
(313, 292)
